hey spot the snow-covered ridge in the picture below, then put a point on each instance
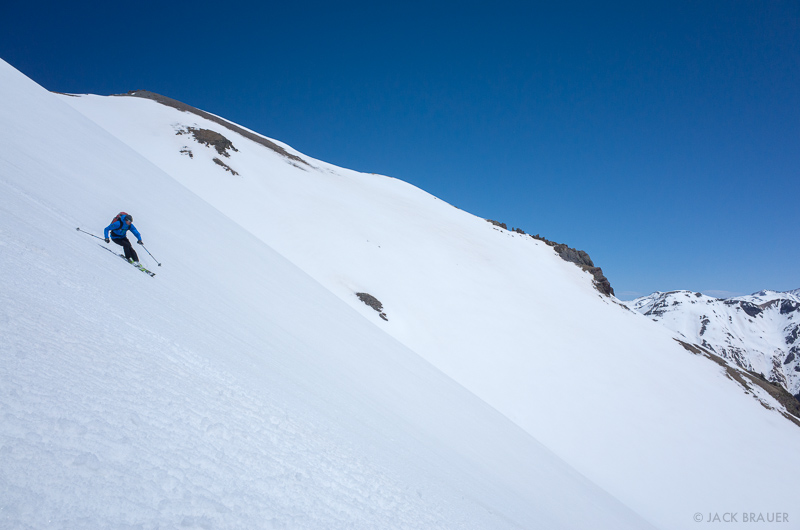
(758, 332)
(579, 257)
(279, 148)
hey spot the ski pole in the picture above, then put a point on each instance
(144, 247)
(85, 232)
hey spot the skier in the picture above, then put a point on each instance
(119, 234)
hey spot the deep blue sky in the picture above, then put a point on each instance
(663, 139)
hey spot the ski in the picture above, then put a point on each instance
(140, 266)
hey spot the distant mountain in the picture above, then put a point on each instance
(758, 332)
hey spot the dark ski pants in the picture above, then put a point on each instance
(129, 252)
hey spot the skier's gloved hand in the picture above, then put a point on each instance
(108, 240)
(140, 242)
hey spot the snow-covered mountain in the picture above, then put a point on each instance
(230, 391)
(324, 348)
(758, 332)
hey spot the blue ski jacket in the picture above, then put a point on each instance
(119, 230)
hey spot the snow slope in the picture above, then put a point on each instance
(230, 391)
(757, 332)
(247, 386)
(664, 431)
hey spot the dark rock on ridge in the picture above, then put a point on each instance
(225, 166)
(582, 260)
(169, 102)
(578, 257)
(748, 379)
(787, 306)
(210, 138)
(373, 302)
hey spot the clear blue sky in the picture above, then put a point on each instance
(663, 139)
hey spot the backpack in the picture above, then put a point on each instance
(119, 216)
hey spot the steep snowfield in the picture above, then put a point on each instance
(609, 391)
(247, 386)
(231, 390)
(758, 332)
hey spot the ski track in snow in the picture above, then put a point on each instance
(165, 462)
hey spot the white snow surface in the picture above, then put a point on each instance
(246, 386)
(231, 390)
(758, 332)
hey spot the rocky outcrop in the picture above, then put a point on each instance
(582, 260)
(748, 379)
(210, 138)
(183, 107)
(578, 257)
(225, 166)
(374, 303)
